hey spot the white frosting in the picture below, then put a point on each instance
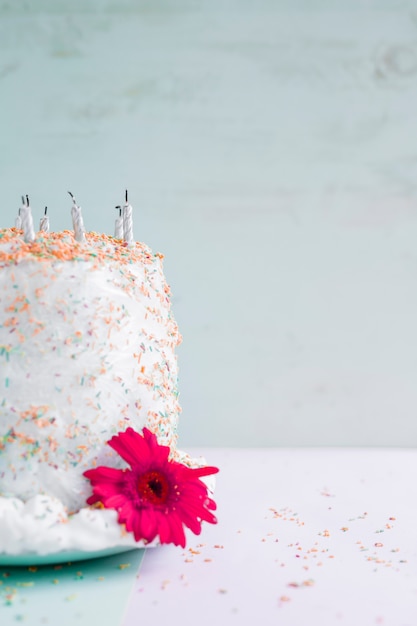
(42, 526)
(87, 344)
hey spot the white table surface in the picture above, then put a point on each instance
(305, 536)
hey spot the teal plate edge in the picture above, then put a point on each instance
(28, 559)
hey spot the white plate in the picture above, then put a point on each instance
(28, 559)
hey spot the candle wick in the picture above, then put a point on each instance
(120, 209)
(126, 196)
(46, 209)
(27, 222)
(72, 196)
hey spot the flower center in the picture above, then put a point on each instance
(153, 487)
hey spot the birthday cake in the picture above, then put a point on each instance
(89, 397)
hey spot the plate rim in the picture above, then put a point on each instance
(27, 559)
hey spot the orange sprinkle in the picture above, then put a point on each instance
(11, 321)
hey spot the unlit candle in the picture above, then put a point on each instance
(27, 223)
(128, 223)
(77, 221)
(18, 221)
(118, 225)
(44, 223)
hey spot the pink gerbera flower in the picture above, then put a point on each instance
(157, 496)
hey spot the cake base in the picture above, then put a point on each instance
(41, 527)
(69, 556)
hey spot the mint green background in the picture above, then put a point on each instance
(269, 150)
(86, 592)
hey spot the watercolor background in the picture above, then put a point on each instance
(269, 148)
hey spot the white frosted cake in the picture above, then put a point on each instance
(87, 350)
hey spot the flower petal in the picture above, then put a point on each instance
(115, 501)
(127, 514)
(137, 525)
(191, 521)
(177, 530)
(149, 528)
(130, 446)
(159, 453)
(164, 528)
(157, 496)
(104, 474)
(204, 471)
